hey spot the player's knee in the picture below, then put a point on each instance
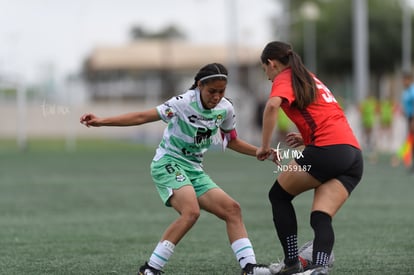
(277, 193)
(231, 212)
(190, 216)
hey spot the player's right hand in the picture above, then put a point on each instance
(274, 157)
(90, 120)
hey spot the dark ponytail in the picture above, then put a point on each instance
(303, 83)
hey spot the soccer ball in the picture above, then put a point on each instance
(305, 255)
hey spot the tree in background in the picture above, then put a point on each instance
(334, 38)
(169, 33)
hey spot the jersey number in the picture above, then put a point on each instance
(326, 94)
(170, 168)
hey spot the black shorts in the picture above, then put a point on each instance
(342, 162)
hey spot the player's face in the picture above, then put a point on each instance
(212, 92)
(270, 70)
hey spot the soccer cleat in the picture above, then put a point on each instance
(282, 269)
(305, 256)
(305, 263)
(255, 269)
(316, 270)
(148, 270)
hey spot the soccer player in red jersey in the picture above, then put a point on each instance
(331, 163)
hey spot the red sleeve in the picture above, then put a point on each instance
(282, 86)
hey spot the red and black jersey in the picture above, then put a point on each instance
(321, 123)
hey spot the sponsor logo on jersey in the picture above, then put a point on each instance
(169, 113)
(179, 177)
(219, 120)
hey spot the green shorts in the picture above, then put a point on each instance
(170, 174)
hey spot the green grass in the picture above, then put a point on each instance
(96, 211)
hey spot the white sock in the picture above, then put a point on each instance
(161, 254)
(243, 250)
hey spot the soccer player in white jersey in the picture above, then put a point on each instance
(194, 118)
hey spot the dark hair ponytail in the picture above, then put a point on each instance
(303, 83)
(212, 71)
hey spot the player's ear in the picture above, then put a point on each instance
(271, 62)
(199, 85)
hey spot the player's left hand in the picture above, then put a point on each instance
(294, 139)
(262, 153)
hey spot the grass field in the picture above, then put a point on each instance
(96, 211)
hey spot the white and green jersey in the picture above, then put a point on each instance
(191, 128)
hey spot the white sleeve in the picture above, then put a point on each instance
(229, 122)
(170, 108)
(165, 111)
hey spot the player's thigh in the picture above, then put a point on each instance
(184, 199)
(329, 197)
(219, 203)
(169, 176)
(295, 179)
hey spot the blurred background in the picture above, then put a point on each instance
(60, 59)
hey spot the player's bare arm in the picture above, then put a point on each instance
(127, 119)
(269, 124)
(242, 147)
(246, 148)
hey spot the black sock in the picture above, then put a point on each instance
(324, 237)
(284, 219)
